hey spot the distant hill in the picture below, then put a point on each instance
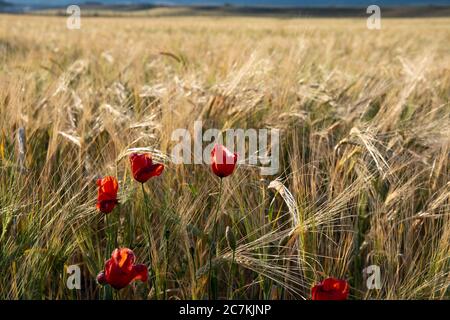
(94, 10)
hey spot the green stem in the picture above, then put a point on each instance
(213, 240)
(230, 277)
(152, 274)
(110, 242)
(107, 290)
(167, 264)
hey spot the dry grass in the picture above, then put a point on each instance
(364, 179)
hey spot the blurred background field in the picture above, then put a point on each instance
(365, 143)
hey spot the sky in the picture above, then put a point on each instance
(240, 2)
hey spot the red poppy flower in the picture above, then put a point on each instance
(143, 167)
(223, 161)
(107, 194)
(330, 289)
(120, 270)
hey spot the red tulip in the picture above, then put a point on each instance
(223, 161)
(330, 289)
(143, 167)
(107, 194)
(120, 270)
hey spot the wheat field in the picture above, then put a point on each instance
(364, 178)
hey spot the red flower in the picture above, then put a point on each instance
(120, 270)
(107, 194)
(143, 167)
(223, 161)
(330, 289)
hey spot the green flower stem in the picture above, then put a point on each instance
(151, 273)
(167, 263)
(230, 285)
(107, 289)
(213, 242)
